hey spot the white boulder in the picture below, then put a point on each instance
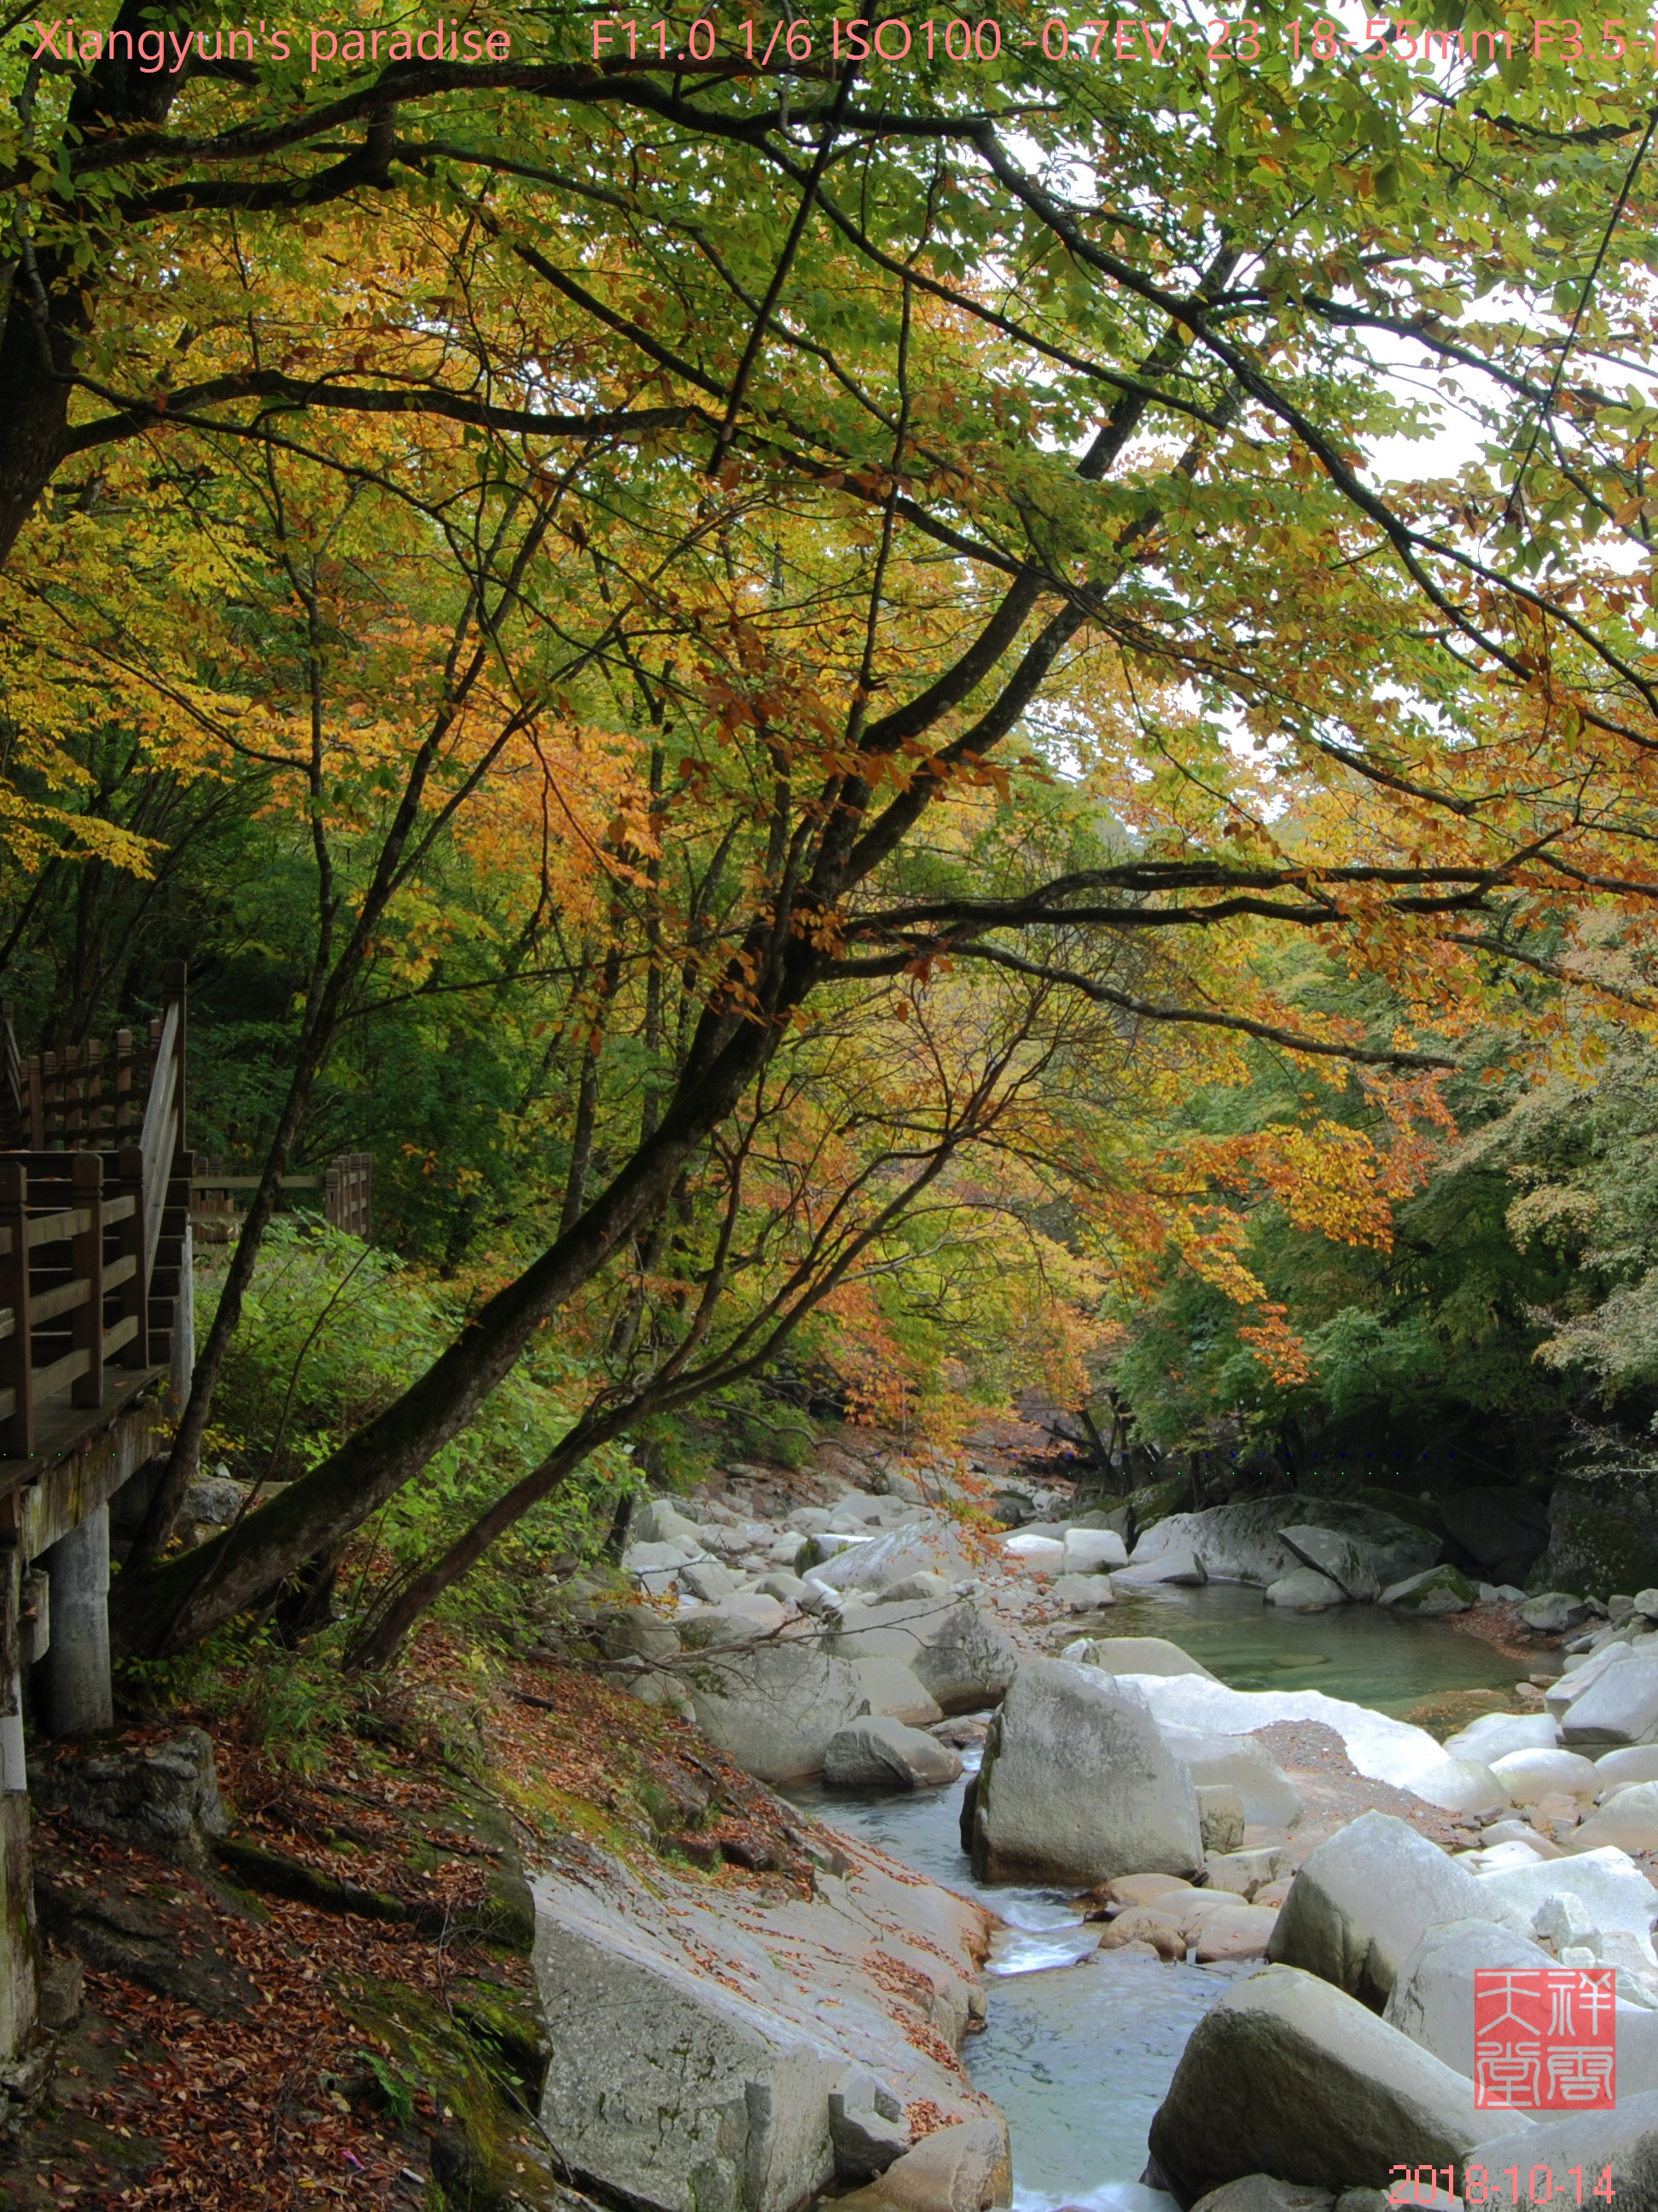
(1347, 1561)
(1363, 1901)
(1612, 1888)
(1087, 1550)
(1134, 1655)
(1268, 1795)
(896, 1692)
(1493, 1735)
(1078, 1785)
(1620, 1705)
(1303, 1590)
(1290, 2077)
(1619, 1768)
(875, 1753)
(774, 1706)
(1627, 1821)
(1179, 1565)
(1528, 1775)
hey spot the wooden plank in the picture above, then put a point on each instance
(48, 1304)
(69, 1369)
(120, 1271)
(58, 1228)
(252, 1182)
(123, 1333)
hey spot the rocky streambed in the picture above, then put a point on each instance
(1236, 1922)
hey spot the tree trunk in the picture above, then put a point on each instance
(164, 1607)
(48, 311)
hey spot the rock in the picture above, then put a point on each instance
(868, 2129)
(1347, 1561)
(1242, 1874)
(665, 1521)
(1554, 1611)
(1364, 1899)
(1220, 1816)
(1528, 1775)
(1245, 1543)
(1238, 1932)
(1614, 1889)
(787, 1588)
(1432, 1999)
(635, 1631)
(1258, 2192)
(160, 1798)
(1180, 1565)
(708, 1580)
(1503, 1531)
(1083, 1593)
(895, 1690)
(1270, 1798)
(59, 1989)
(1439, 1590)
(1078, 1785)
(1303, 1590)
(967, 1664)
(739, 1619)
(1628, 1821)
(965, 2168)
(1620, 1704)
(215, 1500)
(774, 1706)
(876, 1753)
(926, 1583)
(1493, 1735)
(1617, 1770)
(1134, 1655)
(1289, 2076)
(1143, 1888)
(876, 1564)
(1088, 1550)
(654, 1558)
(1461, 1785)
(1620, 2146)
(809, 1520)
(1027, 1549)
(1645, 1602)
(696, 2053)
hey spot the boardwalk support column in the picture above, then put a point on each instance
(79, 1698)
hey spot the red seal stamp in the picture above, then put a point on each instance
(1545, 2037)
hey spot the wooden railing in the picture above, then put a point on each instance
(346, 1184)
(83, 1098)
(91, 1233)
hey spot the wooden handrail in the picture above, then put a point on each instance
(81, 1227)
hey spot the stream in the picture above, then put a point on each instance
(1079, 2056)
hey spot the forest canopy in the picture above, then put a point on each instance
(892, 729)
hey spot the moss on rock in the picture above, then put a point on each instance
(1594, 1554)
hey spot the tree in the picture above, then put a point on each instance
(895, 441)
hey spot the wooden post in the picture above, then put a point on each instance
(87, 1320)
(34, 1096)
(19, 1941)
(74, 1092)
(51, 1099)
(174, 977)
(122, 1083)
(92, 1091)
(16, 1351)
(135, 1291)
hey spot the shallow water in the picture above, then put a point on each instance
(1371, 1656)
(1079, 2056)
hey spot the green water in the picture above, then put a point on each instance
(1370, 1655)
(1079, 2056)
